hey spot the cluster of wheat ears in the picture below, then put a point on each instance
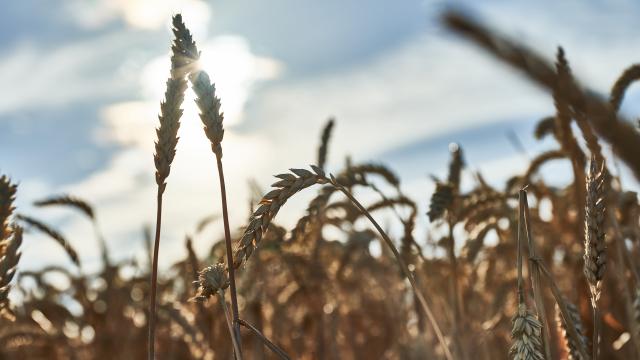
(273, 293)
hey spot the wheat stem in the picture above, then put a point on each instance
(154, 278)
(535, 276)
(273, 347)
(403, 267)
(227, 316)
(229, 250)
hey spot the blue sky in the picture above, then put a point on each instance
(82, 81)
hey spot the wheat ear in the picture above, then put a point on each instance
(526, 336)
(324, 143)
(7, 197)
(595, 259)
(165, 146)
(571, 346)
(8, 265)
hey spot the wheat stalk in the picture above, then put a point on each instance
(534, 271)
(538, 267)
(212, 119)
(526, 333)
(165, 150)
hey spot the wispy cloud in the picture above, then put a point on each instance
(37, 76)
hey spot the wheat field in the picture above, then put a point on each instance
(559, 280)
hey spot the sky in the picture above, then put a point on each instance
(82, 82)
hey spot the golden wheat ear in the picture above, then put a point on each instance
(7, 198)
(570, 345)
(8, 266)
(595, 259)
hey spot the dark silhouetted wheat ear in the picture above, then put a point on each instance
(324, 143)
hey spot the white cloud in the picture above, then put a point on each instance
(35, 76)
(143, 14)
(425, 88)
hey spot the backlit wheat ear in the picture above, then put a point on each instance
(595, 258)
(288, 185)
(185, 54)
(8, 264)
(206, 99)
(210, 109)
(526, 336)
(170, 113)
